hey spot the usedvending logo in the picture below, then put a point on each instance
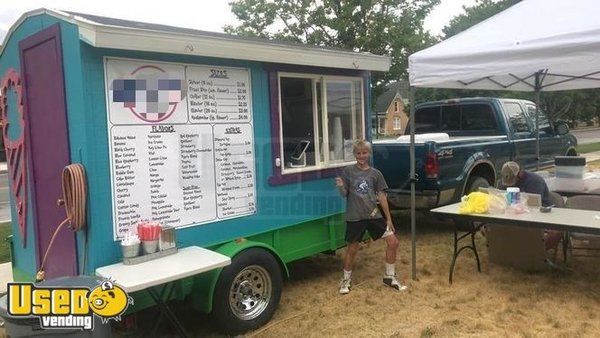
(72, 307)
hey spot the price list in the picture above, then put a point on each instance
(234, 162)
(218, 95)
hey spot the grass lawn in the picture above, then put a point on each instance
(496, 302)
(593, 165)
(588, 148)
(4, 248)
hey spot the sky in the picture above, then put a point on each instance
(208, 15)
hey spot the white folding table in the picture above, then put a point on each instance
(148, 275)
(561, 219)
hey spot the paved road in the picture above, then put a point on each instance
(587, 136)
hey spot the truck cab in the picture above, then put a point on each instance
(461, 145)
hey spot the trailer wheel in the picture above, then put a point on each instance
(247, 291)
(476, 182)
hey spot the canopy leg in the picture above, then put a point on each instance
(413, 231)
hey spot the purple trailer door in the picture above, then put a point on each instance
(48, 147)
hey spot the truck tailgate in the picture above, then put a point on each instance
(393, 160)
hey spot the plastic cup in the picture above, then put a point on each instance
(132, 250)
(513, 195)
(150, 246)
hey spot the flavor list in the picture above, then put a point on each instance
(194, 190)
(172, 174)
(160, 147)
(126, 183)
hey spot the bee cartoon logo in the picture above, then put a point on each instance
(67, 307)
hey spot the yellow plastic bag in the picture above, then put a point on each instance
(475, 203)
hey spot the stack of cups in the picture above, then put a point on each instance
(149, 233)
(130, 245)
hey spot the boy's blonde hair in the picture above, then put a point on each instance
(361, 144)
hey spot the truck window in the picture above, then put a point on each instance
(543, 119)
(324, 130)
(517, 118)
(427, 120)
(450, 118)
(478, 117)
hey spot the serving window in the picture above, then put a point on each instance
(319, 118)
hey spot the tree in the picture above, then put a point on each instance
(392, 27)
(573, 105)
(482, 10)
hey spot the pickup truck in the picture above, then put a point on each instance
(461, 144)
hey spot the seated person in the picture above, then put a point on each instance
(526, 181)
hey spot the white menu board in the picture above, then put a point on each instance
(181, 143)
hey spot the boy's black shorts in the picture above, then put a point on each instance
(356, 230)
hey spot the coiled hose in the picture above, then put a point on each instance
(74, 197)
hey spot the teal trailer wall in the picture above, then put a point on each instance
(24, 258)
(277, 206)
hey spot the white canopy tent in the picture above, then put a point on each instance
(559, 38)
(535, 45)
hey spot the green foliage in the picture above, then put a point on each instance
(574, 105)
(473, 15)
(392, 27)
(435, 94)
(5, 231)
(588, 148)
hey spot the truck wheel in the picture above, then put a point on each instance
(247, 291)
(476, 182)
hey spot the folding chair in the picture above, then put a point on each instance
(586, 243)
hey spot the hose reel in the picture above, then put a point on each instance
(74, 189)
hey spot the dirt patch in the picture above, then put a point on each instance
(496, 302)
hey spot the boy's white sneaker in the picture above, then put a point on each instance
(392, 282)
(345, 286)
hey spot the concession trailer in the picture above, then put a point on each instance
(234, 142)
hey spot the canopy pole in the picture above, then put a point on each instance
(538, 88)
(413, 231)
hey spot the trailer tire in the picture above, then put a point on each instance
(476, 182)
(247, 291)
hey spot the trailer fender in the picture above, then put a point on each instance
(204, 284)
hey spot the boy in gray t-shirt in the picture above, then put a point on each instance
(364, 187)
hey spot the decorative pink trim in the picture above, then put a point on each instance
(15, 149)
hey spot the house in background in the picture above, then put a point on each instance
(390, 117)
